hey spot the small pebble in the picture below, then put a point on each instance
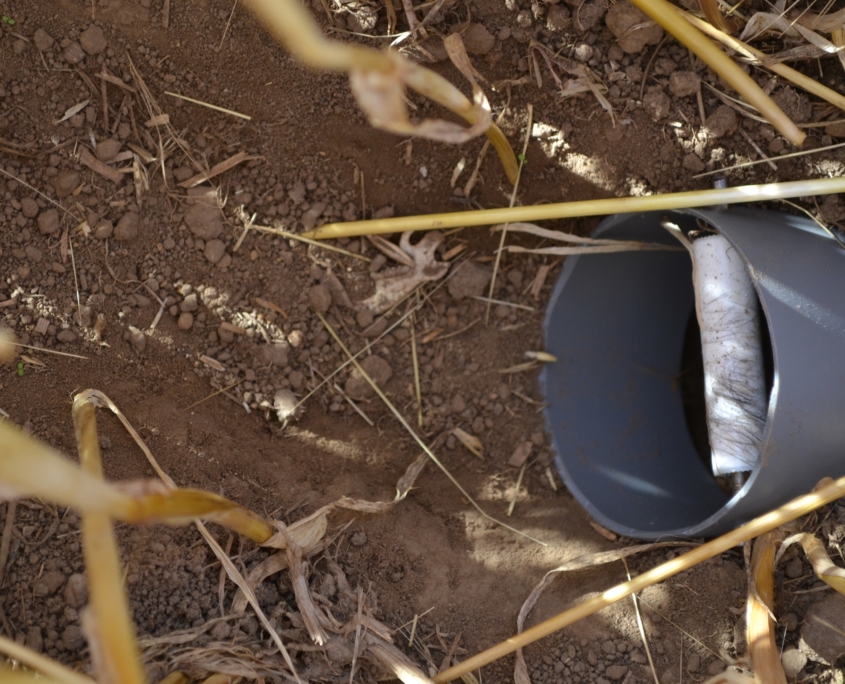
(214, 250)
(793, 662)
(73, 638)
(103, 229)
(76, 591)
(43, 40)
(65, 182)
(49, 584)
(126, 229)
(190, 303)
(29, 207)
(138, 339)
(107, 149)
(186, 321)
(684, 83)
(284, 403)
(93, 40)
(73, 53)
(320, 298)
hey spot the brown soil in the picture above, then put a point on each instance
(312, 154)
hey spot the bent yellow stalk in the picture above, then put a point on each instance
(665, 14)
(29, 468)
(762, 645)
(598, 207)
(375, 75)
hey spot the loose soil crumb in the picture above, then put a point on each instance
(209, 342)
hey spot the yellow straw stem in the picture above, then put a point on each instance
(664, 14)
(598, 207)
(799, 79)
(794, 509)
(760, 632)
(503, 148)
(289, 23)
(115, 647)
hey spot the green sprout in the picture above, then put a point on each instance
(20, 368)
(522, 158)
(10, 22)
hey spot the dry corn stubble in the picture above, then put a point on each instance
(378, 80)
(770, 521)
(664, 14)
(32, 469)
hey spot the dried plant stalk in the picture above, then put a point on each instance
(765, 523)
(114, 648)
(598, 207)
(665, 15)
(799, 79)
(378, 80)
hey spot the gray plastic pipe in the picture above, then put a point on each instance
(617, 325)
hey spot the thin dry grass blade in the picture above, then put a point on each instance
(826, 22)
(730, 677)
(8, 676)
(182, 506)
(119, 660)
(304, 601)
(269, 566)
(765, 523)
(539, 231)
(602, 249)
(175, 678)
(32, 469)
(762, 645)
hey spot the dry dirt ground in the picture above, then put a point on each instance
(184, 315)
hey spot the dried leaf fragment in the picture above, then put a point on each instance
(394, 285)
(471, 442)
(72, 111)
